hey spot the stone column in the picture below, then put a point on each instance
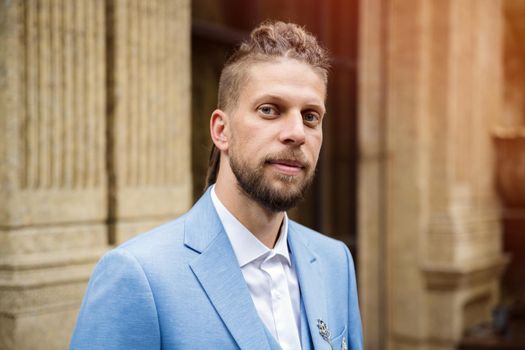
(53, 188)
(439, 65)
(371, 261)
(462, 259)
(149, 83)
(94, 147)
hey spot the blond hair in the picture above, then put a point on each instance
(269, 41)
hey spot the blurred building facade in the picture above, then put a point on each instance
(102, 136)
(94, 147)
(431, 94)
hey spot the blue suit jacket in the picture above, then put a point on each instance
(179, 286)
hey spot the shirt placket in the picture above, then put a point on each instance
(284, 320)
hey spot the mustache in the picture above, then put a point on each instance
(293, 156)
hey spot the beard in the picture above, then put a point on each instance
(258, 186)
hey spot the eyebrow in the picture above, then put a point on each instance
(264, 97)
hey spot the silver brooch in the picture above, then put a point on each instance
(327, 336)
(324, 332)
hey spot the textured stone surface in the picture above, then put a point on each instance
(47, 330)
(30, 240)
(54, 139)
(40, 296)
(150, 99)
(371, 239)
(431, 94)
(71, 174)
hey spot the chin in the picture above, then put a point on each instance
(287, 186)
(286, 181)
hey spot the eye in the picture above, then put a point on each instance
(311, 118)
(268, 110)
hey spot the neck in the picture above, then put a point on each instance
(264, 224)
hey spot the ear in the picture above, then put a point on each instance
(219, 129)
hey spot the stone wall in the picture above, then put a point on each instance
(94, 147)
(149, 54)
(431, 93)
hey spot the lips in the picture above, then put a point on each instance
(287, 162)
(287, 166)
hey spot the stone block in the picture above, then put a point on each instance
(49, 330)
(150, 99)
(40, 295)
(432, 85)
(53, 180)
(53, 113)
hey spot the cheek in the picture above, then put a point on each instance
(247, 145)
(316, 143)
(257, 139)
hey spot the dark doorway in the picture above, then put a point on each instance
(218, 26)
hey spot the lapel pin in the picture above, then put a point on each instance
(324, 332)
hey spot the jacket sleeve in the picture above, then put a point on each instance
(118, 311)
(355, 333)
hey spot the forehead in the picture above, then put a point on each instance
(285, 78)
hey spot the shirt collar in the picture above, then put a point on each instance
(246, 246)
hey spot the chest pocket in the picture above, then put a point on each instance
(340, 342)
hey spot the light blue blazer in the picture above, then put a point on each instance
(179, 286)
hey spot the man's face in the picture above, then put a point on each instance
(276, 132)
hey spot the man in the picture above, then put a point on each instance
(235, 272)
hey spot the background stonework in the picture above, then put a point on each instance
(94, 147)
(431, 89)
(149, 100)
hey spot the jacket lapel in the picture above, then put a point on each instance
(218, 271)
(306, 339)
(310, 283)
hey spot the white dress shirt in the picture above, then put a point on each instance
(270, 277)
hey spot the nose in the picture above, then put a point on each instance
(292, 131)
